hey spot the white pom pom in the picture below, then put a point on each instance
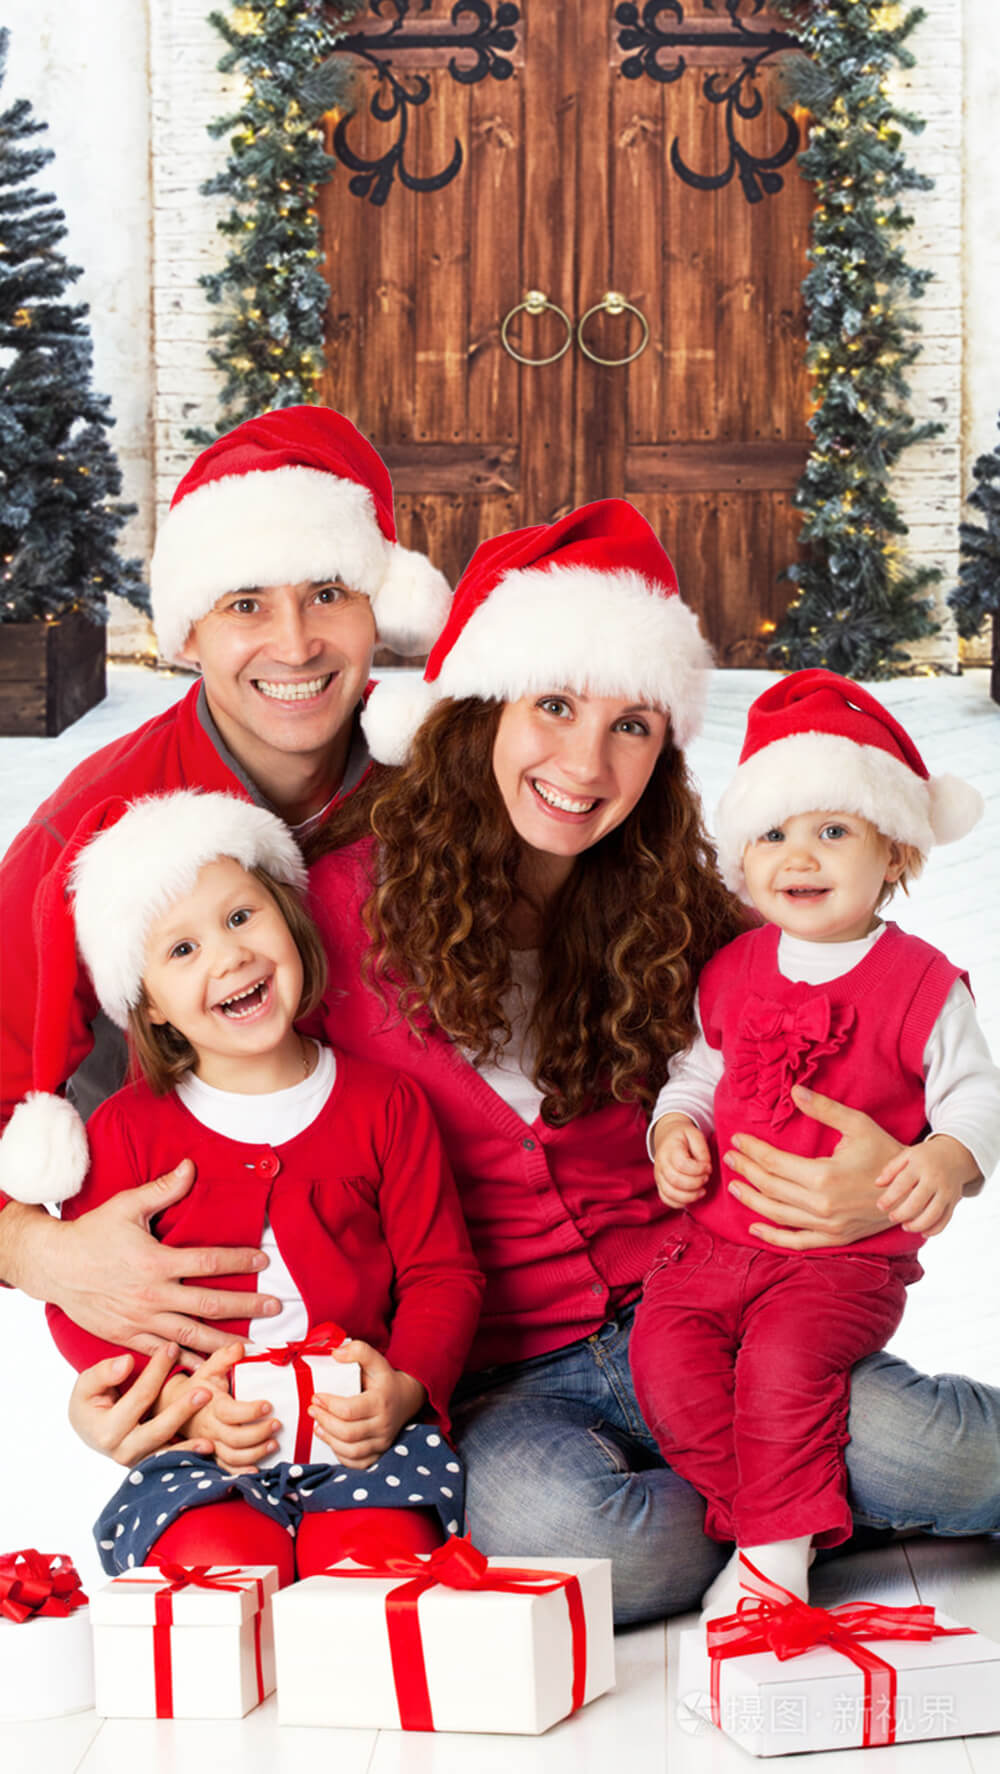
(396, 708)
(43, 1152)
(955, 807)
(411, 603)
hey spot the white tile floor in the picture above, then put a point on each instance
(953, 1320)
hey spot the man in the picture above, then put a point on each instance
(275, 572)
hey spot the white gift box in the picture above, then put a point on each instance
(945, 1687)
(278, 1382)
(495, 1661)
(46, 1666)
(215, 1660)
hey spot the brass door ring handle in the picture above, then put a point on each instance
(536, 302)
(613, 303)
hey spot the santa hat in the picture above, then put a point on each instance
(816, 741)
(124, 866)
(589, 603)
(292, 495)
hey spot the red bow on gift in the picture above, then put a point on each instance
(36, 1584)
(781, 1623)
(197, 1577)
(455, 1565)
(322, 1340)
(778, 1045)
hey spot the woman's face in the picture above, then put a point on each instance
(570, 768)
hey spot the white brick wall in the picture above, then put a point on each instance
(186, 94)
(928, 484)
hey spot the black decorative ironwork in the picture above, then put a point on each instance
(644, 36)
(490, 36)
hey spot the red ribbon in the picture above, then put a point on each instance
(781, 1623)
(455, 1565)
(38, 1585)
(322, 1340)
(177, 1577)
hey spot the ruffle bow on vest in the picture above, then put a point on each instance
(779, 1045)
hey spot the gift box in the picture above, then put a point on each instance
(780, 1677)
(288, 1375)
(449, 1642)
(184, 1641)
(46, 1648)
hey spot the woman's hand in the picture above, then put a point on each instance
(359, 1429)
(816, 1201)
(112, 1421)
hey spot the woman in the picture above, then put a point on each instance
(526, 940)
(527, 944)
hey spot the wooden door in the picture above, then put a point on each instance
(578, 148)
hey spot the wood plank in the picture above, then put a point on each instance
(453, 468)
(551, 113)
(690, 223)
(345, 219)
(442, 261)
(23, 652)
(599, 469)
(637, 177)
(713, 466)
(495, 147)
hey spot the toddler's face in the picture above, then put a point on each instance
(819, 875)
(222, 967)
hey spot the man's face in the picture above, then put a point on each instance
(284, 667)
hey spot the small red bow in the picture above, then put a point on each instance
(38, 1585)
(322, 1340)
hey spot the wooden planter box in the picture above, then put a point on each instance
(51, 673)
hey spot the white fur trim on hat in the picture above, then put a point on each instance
(43, 1152)
(133, 871)
(578, 628)
(277, 526)
(825, 772)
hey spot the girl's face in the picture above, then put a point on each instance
(570, 768)
(820, 875)
(222, 967)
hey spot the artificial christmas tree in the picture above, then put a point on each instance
(977, 594)
(60, 513)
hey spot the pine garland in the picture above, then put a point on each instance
(857, 602)
(977, 594)
(271, 336)
(60, 513)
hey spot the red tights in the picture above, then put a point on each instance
(233, 1533)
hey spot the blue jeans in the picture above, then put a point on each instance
(560, 1464)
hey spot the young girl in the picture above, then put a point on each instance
(742, 1353)
(188, 918)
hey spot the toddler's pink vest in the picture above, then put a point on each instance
(859, 1039)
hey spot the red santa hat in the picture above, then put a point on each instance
(126, 863)
(816, 741)
(589, 603)
(292, 495)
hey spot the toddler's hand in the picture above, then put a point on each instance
(359, 1429)
(922, 1186)
(682, 1162)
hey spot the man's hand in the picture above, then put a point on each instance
(112, 1421)
(816, 1201)
(359, 1429)
(923, 1185)
(111, 1276)
(682, 1162)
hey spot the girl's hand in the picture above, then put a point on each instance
(923, 1185)
(112, 1421)
(682, 1162)
(358, 1430)
(238, 1435)
(816, 1201)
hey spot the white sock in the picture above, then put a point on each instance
(723, 1593)
(784, 1561)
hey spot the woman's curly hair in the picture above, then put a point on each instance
(623, 941)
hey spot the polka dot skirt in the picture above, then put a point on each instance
(420, 1472)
